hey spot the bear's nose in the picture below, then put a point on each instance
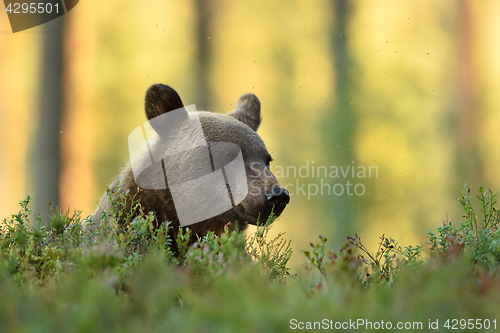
(277, 197)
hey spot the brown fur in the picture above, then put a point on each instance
(237, 127)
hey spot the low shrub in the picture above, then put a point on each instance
(63, 277)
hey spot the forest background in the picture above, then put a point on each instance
(407, 88)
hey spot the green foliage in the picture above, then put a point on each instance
(347, 266)
(273, 254)
(478, 243)
(478, 237)
(35, 251)
(65, 277)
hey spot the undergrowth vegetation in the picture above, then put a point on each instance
(66, 276)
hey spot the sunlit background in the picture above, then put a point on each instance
(407, 89)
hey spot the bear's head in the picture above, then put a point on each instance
(229, 138)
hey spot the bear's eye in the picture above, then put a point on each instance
(268, 160)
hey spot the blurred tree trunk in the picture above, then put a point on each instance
(340, 129)
(204, 20)
(468, 156)
(77, 186)
(47, 150)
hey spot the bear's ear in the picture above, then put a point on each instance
(248, 111)
(161, 99)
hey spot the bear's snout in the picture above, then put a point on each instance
(277, 197)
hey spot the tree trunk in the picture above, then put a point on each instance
(468, 157)
(47, 151)
(203, 44)
(340, 129)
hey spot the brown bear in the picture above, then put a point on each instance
(236, 130)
